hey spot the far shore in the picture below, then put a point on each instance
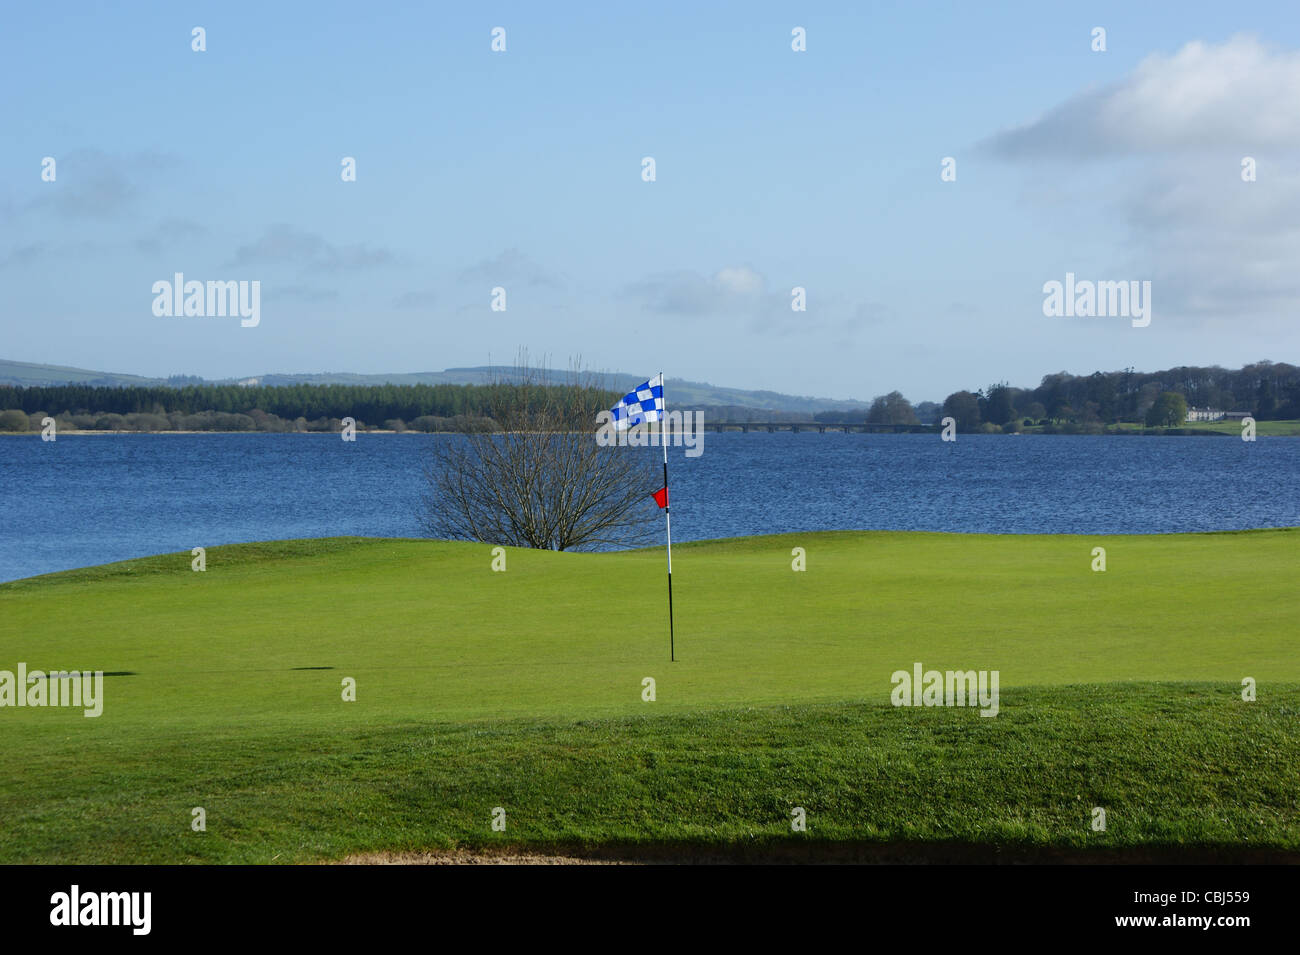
(1269, 429)
(61, 432)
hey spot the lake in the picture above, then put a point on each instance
(90, 499)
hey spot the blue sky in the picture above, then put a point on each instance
(774, 169)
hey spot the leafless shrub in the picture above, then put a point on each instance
(540, 480)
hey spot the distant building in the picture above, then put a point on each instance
(249, 382)
(1205, 414)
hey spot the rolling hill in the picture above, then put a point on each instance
(684, 393)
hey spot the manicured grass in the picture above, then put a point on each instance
(523, 689)
(1275, 429)
(1172, 764)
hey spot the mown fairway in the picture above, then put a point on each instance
(522, 689)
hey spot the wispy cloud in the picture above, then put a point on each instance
(282, 244)
(25, 254)
(170, 232)
(34, 252)
(740, 295)
(95, 185)
(298, 293)
(683, 292)
(511, 267)
(1220, 247)
(415, 299)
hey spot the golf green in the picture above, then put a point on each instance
(525, 689)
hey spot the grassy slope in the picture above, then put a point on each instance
(779, 697)
(1263, 429)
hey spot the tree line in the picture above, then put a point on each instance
(1265, 390)
(300, 407)
(1062, 401)
(373, 402)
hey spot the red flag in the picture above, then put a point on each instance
(661, 496)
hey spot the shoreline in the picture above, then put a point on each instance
(736, 429)
(290, 543)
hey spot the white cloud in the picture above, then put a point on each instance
(1165, 146)
(689, 293)
(1220, 247)
(739, 296)
(1239, 94)
(739, 281)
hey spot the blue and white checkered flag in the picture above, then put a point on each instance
(645, 403)
(641, 404)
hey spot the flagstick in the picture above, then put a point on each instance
(668, 523)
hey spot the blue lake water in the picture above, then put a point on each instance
(90, 499)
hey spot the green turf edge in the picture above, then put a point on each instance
(1178, 767)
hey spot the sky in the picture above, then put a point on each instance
(774, 169)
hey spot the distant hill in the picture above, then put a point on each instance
(681, 393)
(28, 375)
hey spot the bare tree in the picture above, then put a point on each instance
(541, 480)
